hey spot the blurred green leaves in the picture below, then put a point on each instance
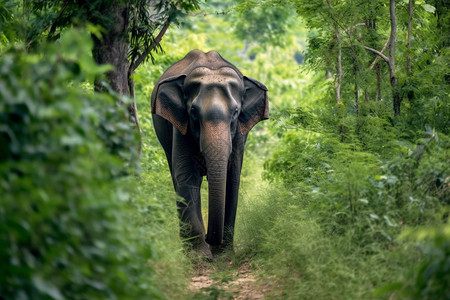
(263, 24)
(429, 279)
(65, 155)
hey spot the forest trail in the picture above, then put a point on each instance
(231, 283)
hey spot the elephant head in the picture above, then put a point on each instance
(208, 98)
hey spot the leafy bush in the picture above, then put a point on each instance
(304, 260)
(355, 183)
(364, 182)
(429, 278)
(64, 216)
(432, 276)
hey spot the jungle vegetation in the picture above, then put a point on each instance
(345, 191)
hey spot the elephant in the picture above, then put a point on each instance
(202, 110)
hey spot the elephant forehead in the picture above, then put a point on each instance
(205, 75)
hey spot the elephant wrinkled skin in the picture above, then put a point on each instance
(202, 110)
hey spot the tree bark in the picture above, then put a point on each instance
(135, 62)
(366, 95)
(378, 72)
(112, 49)
(396, 99)
(371, 24)
(394, 81)
(379, 53)
(375, 61)
(356, 86)
(408, 55)
(339, 67)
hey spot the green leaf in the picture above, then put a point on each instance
(380, 177)
(47, 288)
(429, 8)
(363, 201)
(388, 288)
(374, 216)
(388, 221)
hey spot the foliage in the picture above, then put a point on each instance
(262, 24)
(431, 278)
(65, 219)
(154, 200)
(146, 17)
(333, 212)
(82, 218)
(50, 18)
(361, 174)
(356, 182)
(304, 260)
(345, 184)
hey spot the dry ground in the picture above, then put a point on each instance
(239, 284)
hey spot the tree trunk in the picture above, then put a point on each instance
(378, 72)
(408, 55)
(113, 49)
(396, 99)
(371, 24)
(396, 96)
(132, 108)
(366, 95)
(394, 81)
(339, 67)
(355, 74)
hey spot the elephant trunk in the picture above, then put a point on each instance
(215, 142)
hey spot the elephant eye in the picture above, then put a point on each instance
(235, 113)
(194, 112)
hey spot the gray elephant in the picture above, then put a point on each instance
(203, 108)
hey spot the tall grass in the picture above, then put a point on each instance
(289, 243)
(288, 234)
(155, 215)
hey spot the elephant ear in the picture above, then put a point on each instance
(255, 105)
(168, 102)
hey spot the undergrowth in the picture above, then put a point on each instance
(328, 219)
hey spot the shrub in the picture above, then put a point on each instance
(429, 278)
(368, 186)
(64, 217)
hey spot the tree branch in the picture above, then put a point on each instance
(55, 22)
(335, 20)
(155, 42)
(386, 59)
(408, 44)
(133, 65)
(349, 30)
(382, 50)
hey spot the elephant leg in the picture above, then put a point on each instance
(188, 178)
(189, 212)
(164, 129)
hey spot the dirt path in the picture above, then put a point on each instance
(228, 284)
